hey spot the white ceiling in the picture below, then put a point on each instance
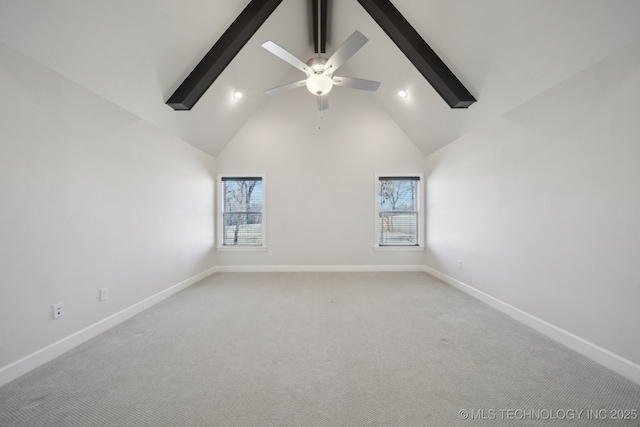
(136, 53)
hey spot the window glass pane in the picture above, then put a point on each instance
(398, 194)
(243, 195)
(242, 229)
(398, 228)
(398, 211)
(242, 216)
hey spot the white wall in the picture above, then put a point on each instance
(320, 182)
(91, 197)
(543, 207)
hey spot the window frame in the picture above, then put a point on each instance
(420, 235)
(221, 205)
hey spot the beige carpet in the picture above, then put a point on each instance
(320, 349)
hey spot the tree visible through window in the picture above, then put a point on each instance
(398, 211)
(242, 211)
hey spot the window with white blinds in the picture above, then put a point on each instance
(398, 211)
(242, 211)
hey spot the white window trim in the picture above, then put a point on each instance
(220, 210)
(421, 234)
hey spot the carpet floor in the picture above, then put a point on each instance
(320, 349)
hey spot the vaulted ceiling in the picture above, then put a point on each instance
(136, 53)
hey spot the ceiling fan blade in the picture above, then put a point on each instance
(323, 103)
(286, 87)
(286, 56)
(346, 50)
(353, 83)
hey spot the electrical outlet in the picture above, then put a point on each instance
(104, 294)
(459, 264)
(58, 310)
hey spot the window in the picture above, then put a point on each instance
(242, 211)
(398, 214)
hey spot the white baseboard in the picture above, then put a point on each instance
(618, 364)
(16, 369)
(600, 355)
(318, 268)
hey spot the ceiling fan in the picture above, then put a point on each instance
(320, 70)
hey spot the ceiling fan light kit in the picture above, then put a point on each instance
(319, 84)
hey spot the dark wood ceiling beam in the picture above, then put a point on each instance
(319, 26)
(419, 53)
(222, 53)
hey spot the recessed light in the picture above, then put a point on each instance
(403, 94)
(237, 95)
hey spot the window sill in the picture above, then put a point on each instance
(398, 248)
(241, 248)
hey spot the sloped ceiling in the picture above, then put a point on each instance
(136, 53)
